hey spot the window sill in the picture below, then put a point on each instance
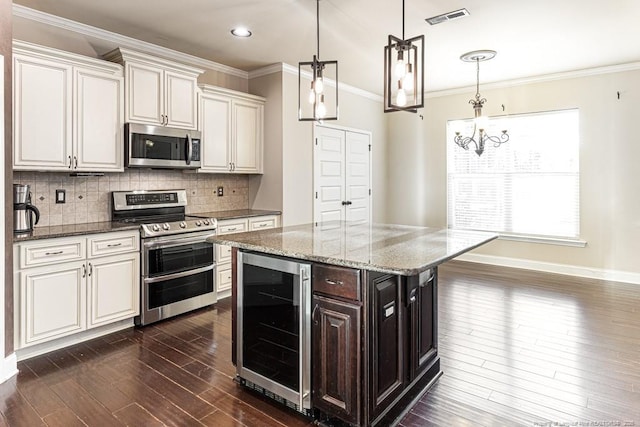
(576, 243)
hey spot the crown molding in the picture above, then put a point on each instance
(282, 67)
(587, 72)
(123, 41)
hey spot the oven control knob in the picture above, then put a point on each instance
(155, 227)
(198, 223)
(183, 224)
(206, 222)
(166, 226)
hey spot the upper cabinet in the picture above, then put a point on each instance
(68, 111)
(158, 92)
(232, 126)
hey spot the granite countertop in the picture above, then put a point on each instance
(236, 213)
(48, 232)
(387, 248)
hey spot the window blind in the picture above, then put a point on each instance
(528, 186)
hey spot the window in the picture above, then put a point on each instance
(527, 187)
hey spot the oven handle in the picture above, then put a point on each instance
(177, 242)
(179, 275)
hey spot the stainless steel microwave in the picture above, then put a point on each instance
(149, 146)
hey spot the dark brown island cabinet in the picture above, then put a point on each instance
(339, 321)
(374, 343)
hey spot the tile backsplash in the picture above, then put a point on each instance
(88, 198)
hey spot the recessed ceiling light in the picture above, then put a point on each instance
(241, 32)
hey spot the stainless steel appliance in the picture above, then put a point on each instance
(161, 147)
(177, 264)
(23, 210)
(274, 327)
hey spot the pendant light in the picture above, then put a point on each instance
(318, 101)
(404, 73)
(480, 122)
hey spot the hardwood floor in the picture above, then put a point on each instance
(517, 348)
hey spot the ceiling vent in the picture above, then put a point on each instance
(449, 16)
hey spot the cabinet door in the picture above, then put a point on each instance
(99, 115)
(215, 125)
(422, 318)
(386, 343)
(52, 302)
(336, 358)
(114, 288)
(247, 136)
(180, 100)
(42, 99)
(223, 277)
(144, 87)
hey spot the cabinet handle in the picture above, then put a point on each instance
(232, 229)
(90, 269)
(313, 315)
(334, 282)
(75, 160)
(114, 245)
(53, 253)
(69, 162)
(84, 271)
(262, 225)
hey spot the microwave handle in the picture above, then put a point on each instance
(189, 149)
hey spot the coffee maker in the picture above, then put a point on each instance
(23, 210)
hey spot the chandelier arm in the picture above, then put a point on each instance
(498, 140)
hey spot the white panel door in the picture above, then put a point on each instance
(329, 174)
(114, 288)
(42, 100)
(247, 131)
(215, 124)
(145, 94)
(180, 103)
(357, 179)
(98, 126)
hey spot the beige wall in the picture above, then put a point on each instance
(292, 140)
(609, 152)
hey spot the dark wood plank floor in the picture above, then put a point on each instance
(517, 348)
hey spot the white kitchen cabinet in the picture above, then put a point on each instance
(157, 91)
(223, 252)
(232, 126)
(68, 285)
(68, 111)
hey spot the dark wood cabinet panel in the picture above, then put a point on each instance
(336, 358)
(421, 321)
(336, 281)
(387, 343)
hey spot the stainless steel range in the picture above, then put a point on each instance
(177, 264)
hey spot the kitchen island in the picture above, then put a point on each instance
(339, 320)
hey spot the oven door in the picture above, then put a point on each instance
(177, 276)
(274, 326)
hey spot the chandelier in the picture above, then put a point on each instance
(480, 122)
(404, 73)
(320, 96)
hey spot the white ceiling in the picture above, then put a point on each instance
(532, 37)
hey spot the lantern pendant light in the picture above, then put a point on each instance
(404, 73)
(319, 100)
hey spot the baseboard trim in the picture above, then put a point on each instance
(549, 267)
(9, 367)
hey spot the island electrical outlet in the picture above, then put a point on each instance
(220, 191)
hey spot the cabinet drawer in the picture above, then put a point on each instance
(336, 281)
(223, 277)
(45, 252)
(223, 254)
(113, 243)
(232, 226)
(263, 223)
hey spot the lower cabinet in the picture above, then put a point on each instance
(71, 284)
(336, 358)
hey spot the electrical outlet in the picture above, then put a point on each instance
(220, 191)
(61, 196)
